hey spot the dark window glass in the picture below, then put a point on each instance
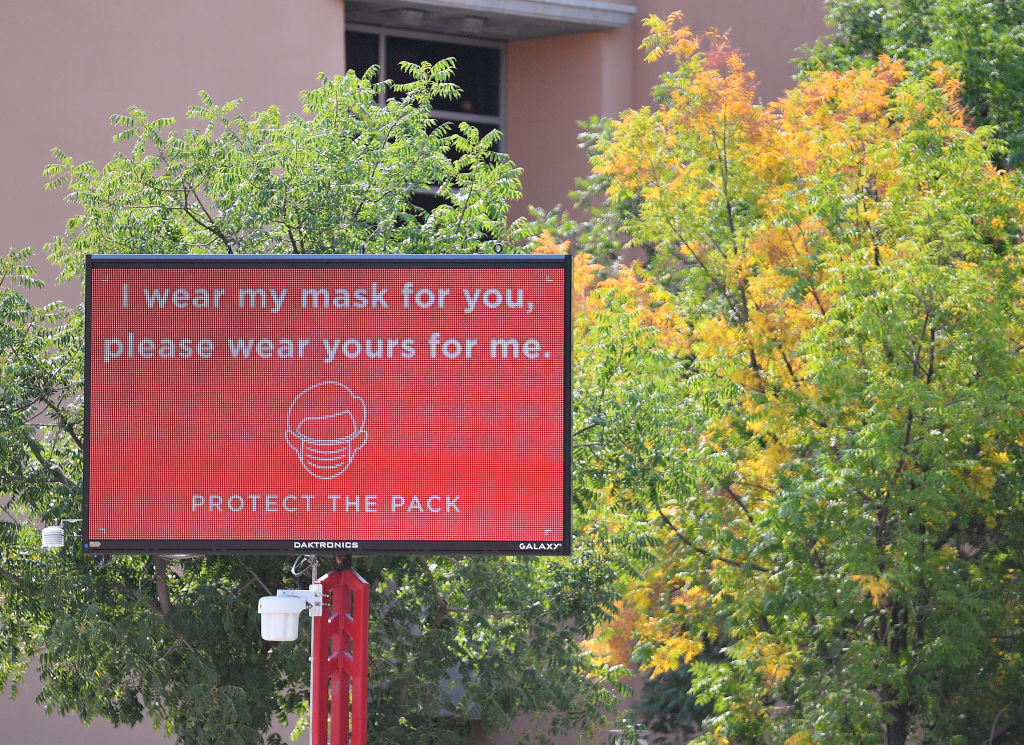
(477, 71)
(425, 200)
(361, 50)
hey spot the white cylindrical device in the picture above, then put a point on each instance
(279, 617)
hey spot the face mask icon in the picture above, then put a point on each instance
(326, 428)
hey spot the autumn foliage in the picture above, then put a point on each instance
(804, 411)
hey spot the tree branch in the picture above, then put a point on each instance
(162, 592)
(718, 283)
(12, 577)
(678, 534)
(130, 592)
(579, 432)
(62, 420)
(257, 578)
(56, 472)
(789, 367)
(211, 226)
(739, 502)
(442, 603)
(444, 609)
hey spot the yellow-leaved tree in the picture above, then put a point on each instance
(804, 413)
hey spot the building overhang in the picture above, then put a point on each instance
(506, 20)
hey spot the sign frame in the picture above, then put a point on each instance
(556, 262)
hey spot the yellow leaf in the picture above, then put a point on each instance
(676, 650)
(875, 586)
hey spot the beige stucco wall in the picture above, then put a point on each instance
(65, 67)
(22, 722)
(769, 33)
(552, 83)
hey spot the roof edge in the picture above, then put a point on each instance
(501, 19)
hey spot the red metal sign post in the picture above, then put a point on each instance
(341, 661)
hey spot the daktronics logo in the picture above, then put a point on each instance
(373, 404)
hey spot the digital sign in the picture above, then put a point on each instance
(336, 404)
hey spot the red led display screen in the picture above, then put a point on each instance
(344, 404)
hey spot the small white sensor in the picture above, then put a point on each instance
(53, 537)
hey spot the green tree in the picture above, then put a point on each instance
(810, 396)
(454, 643)
(981, 40)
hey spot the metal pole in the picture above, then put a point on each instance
(312, 649)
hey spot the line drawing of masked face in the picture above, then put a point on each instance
(325, 428)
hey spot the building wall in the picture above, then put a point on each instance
(555, 82)
(25, 723)
(65, 67)
(551, 87)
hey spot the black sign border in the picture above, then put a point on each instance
(562, 262)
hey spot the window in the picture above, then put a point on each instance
(479, 73)
(479, 70)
